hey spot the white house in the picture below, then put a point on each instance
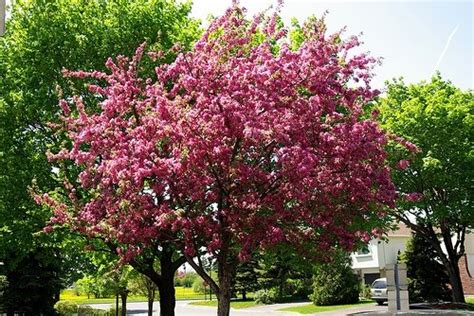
(370, 261)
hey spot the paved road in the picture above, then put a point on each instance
(184, 309)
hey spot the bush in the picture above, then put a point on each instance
(112, 310)
(265, 296)
(335, 284)
(199, 286)
(365, 291)
(66, 308)
(85, 311)
(299, 288)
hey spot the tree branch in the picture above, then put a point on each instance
(203, 274)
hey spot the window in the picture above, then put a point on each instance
(379, 284)
(363, 250)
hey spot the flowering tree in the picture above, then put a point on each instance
(240, 144)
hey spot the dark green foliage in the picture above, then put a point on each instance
(428, 280)
(246, 278)
(287, 271)
(33, 286)
(335, 283)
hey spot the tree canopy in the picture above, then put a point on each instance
(243, 142)
(436, 183)
(42, 38)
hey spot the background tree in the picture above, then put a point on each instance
(143, 285)
(186, 279)
(437, 182)
(428, 280)
(287, 271)
(247, 276)
(335, 283)
(119, 279)
(42, 38)
(235, 147)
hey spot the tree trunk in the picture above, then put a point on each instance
(167, 295)
(116, 304)
(151, 297)
(226, 274)
(223, 305)
(455, 281)
(244, 295)
(164, 280)
(451, 263)
(150, 306)
(123, 296)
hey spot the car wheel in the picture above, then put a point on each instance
(380, 303)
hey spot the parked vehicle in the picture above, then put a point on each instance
(378, 291)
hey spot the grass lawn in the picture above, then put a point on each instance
(181, 294)
(234, 304)
(470, 300)
(311, 308)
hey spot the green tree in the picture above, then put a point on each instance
(428, 280)
(435, 183)
(335, 283)
(281, 266)
(42, 38)
(143, 285)
(119, 279)
(246, 277)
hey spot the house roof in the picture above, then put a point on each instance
(402, 231)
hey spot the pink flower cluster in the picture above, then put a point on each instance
(236, 144)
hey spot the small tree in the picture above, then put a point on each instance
(87, 285)
(335, 283)
(188, 280)
(119, 279)
(142, 284)
(428, 280)
(247, 276)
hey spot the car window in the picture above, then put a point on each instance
(379, 285)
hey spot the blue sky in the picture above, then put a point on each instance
(413, 37)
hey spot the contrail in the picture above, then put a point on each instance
(440, 59)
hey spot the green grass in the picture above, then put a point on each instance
(234, 304)
(470, 300)
(311, 308)
(181, 294)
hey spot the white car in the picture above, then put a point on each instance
(378, 291)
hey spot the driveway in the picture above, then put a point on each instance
(184, 309)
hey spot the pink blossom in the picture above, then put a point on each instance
(233, 143)
(414, 197)
(403, 164)
(48, 229)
